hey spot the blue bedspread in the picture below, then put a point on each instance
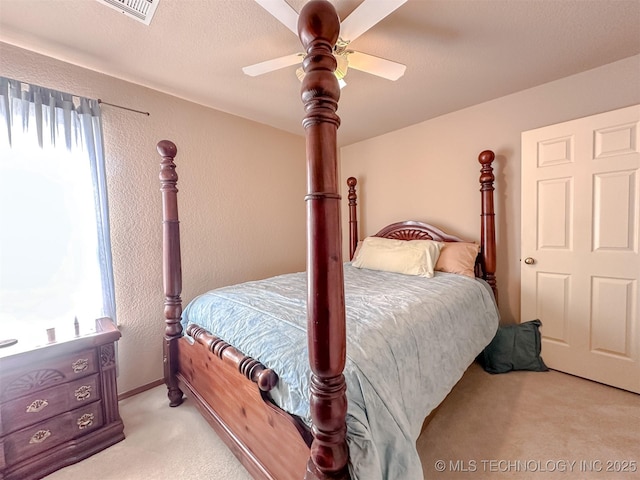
(409, 340)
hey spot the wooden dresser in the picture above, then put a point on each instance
(58, 402)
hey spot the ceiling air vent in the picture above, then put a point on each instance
(141, 10)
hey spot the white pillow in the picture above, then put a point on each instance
(432, 253)
(413, 257)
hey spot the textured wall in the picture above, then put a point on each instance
(430, 172)
(241, 199)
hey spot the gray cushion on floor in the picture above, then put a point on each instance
(515, 347)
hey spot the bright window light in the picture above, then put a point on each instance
(49, 268)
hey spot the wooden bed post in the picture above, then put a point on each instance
(488, 225)
(171, 268)
(353, 216)
(318, 28)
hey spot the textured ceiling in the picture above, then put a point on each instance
(458, 52)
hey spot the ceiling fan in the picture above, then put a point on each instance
(365, 16)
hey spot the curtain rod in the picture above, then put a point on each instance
(102, 102)
(24, 85)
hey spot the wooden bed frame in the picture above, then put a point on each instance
(230, 389)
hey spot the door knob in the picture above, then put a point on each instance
(529, 261)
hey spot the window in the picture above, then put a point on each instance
(55, 256)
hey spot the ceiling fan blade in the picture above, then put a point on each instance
(376, 65)
(366, 16)
(282, 11)
(274, 64)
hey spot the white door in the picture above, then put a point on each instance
(580, 264)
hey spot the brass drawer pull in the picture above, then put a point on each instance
(40, 436)
(36, 406)
(80, 365)
(83, 393)
(85, 421)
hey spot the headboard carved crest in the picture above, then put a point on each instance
(415, 231)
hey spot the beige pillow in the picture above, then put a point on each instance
(414, 257)
(458, 257)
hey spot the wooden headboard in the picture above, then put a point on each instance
(412, 230)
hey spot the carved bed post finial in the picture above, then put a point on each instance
(172, 271)
(353, 216)
(318, 28)
(488, 227)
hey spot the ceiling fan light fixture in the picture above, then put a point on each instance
(365, 16)
(340, 72)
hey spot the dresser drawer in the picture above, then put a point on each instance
(33, 440)
(48, 374)
(39, 406)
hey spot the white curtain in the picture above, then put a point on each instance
(55, 251)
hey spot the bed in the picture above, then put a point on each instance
(299, 381)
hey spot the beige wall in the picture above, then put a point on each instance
(430, 172)
(242, 187)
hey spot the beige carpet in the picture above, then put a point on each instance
(520, 425)
(533, 425)
(161, 443)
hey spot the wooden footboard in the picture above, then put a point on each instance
(217, 378)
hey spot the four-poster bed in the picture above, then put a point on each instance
(237, 393)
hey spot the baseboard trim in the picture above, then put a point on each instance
(141, 389)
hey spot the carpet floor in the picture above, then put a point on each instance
(521, 425)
